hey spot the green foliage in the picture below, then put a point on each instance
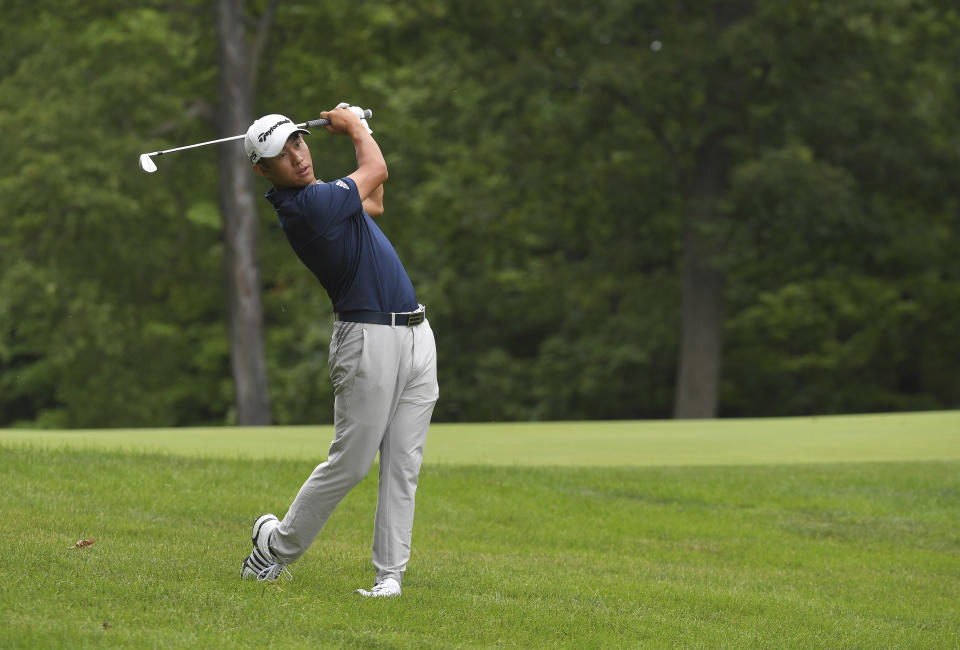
(541, 159)
(109, 314)
(829, 346)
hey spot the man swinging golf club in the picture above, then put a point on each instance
(382, 357)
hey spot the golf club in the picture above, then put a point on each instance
(148, 165)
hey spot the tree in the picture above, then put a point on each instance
(105, 319)
(556, 169)
(839, 256)
(241, 263)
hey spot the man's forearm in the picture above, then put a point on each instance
(371, 167)
(368, 151)
(373, 204)
(377, 194)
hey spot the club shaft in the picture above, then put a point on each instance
(312, 123)
(231, 138)
(199, 144)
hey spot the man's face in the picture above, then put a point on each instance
(292, 167)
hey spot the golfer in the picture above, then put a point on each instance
(383, 363)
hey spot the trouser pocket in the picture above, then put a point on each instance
(346, 354)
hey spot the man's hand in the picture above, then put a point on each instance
(344, 120)
(359, 113)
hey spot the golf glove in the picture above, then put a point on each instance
(356, 110)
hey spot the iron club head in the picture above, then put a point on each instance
(147, 164)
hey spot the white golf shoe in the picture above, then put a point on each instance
(261, 564)
(388, 587)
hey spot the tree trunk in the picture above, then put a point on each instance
(701, 350)
(242, 271)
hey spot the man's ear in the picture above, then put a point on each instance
(260, 170)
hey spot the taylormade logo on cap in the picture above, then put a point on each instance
(267, 136)
(263, 136)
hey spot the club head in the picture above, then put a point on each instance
(147, 164)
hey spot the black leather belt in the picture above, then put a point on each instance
(408, 319)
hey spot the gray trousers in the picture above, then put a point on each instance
(385, 386)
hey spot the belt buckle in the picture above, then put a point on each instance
(415, 318)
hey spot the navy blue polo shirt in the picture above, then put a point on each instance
(339, 242)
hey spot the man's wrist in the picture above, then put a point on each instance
(357, 130)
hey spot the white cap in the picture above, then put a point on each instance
(267, 136)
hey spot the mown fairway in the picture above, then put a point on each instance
(788, 554)
(849, 438)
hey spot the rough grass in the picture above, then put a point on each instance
(801, 556)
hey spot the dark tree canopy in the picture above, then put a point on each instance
(599, 204)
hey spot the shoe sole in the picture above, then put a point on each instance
(370, 594)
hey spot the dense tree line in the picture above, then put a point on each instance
(630, 209)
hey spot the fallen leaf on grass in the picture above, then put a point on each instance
(83, 543)
(106, 625)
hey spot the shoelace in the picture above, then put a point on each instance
(274, 571)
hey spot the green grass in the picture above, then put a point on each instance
(856, 438)
(784, 554)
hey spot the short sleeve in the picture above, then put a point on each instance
(327, 205)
